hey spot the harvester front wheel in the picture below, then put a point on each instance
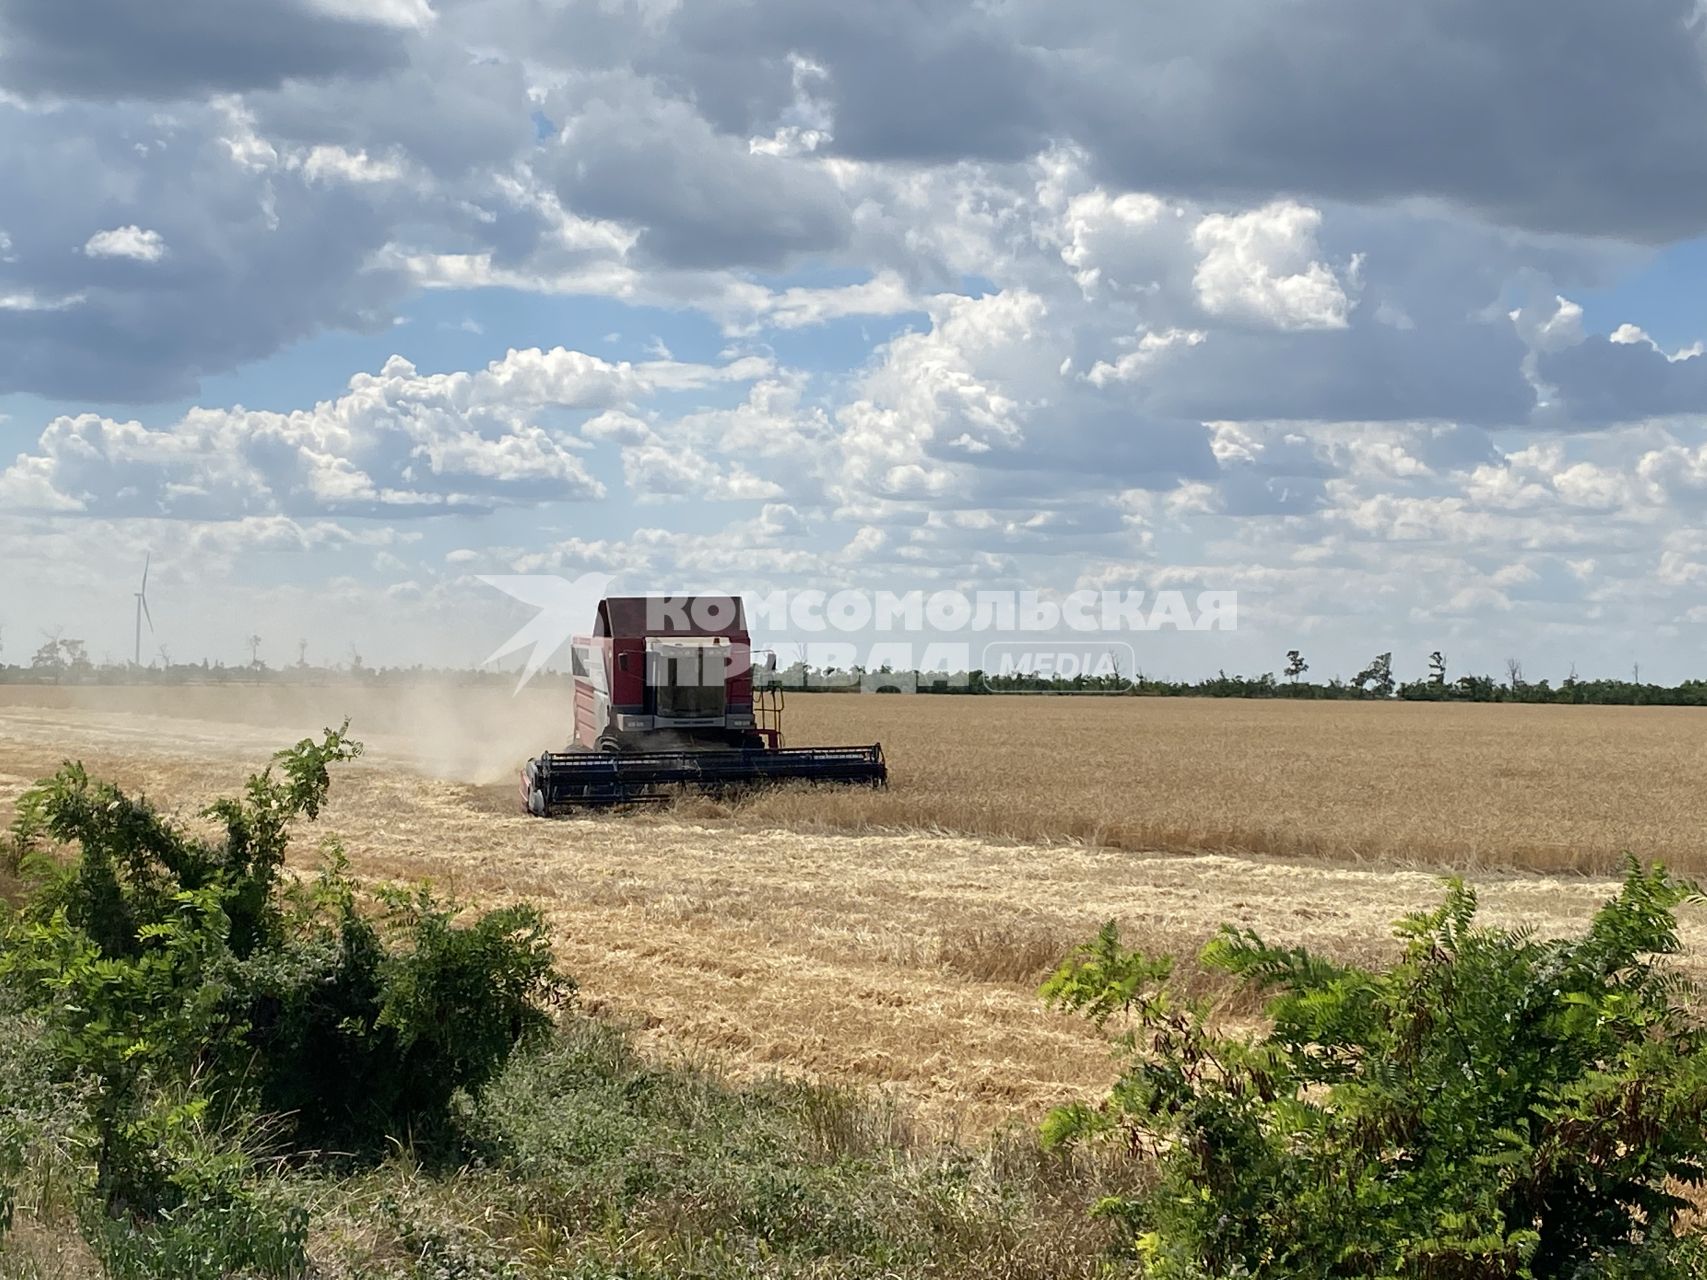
(608, 745)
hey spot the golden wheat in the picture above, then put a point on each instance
(895, 938)
(1545, 788)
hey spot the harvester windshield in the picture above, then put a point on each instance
(687, 679)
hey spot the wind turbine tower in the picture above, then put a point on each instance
(142, 610)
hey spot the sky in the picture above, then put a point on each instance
(1388, 319)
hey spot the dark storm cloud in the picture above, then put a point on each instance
(105, 49)
(1557, 116)
(1095, 440)
(1563, 115)
(1575, 116)
(250, 260)
(905, 81)
(1469, 372)
(452, 112)
(1598, 381)
(699, 198)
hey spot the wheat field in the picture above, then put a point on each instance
(1465, 786)
(894, 939)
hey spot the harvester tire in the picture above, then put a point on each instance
(609, 746)
(536, 803)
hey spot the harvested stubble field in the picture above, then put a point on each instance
(895, 938)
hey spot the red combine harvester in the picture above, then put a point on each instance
(665, 696)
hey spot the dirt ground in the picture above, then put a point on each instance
(904, 959)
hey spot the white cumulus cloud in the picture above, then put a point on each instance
(128, 241)
(398, 442)
(1260, 267)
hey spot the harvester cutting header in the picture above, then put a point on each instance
(664, 694)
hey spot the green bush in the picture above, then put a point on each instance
(364, 1029)
(186, 979)
(1494, 1105)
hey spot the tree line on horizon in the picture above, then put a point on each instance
(1375, 682)
(66, 661)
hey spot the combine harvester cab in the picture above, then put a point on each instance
(664, 695)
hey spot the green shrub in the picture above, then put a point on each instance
(458, 999)
(132, 1024)
(185, 978)
(1495, 1105)
(365, 1029)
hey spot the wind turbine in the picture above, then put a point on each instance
(142, 609)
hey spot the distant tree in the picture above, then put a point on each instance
(1377, 677)
(1514, 674)
(254, 643)
(1476, 688)
(1436, 668)
(48, 659)
(302, 653)
(59, 658)
(1295, 665)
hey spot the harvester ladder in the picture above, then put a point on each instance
(767, 714)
